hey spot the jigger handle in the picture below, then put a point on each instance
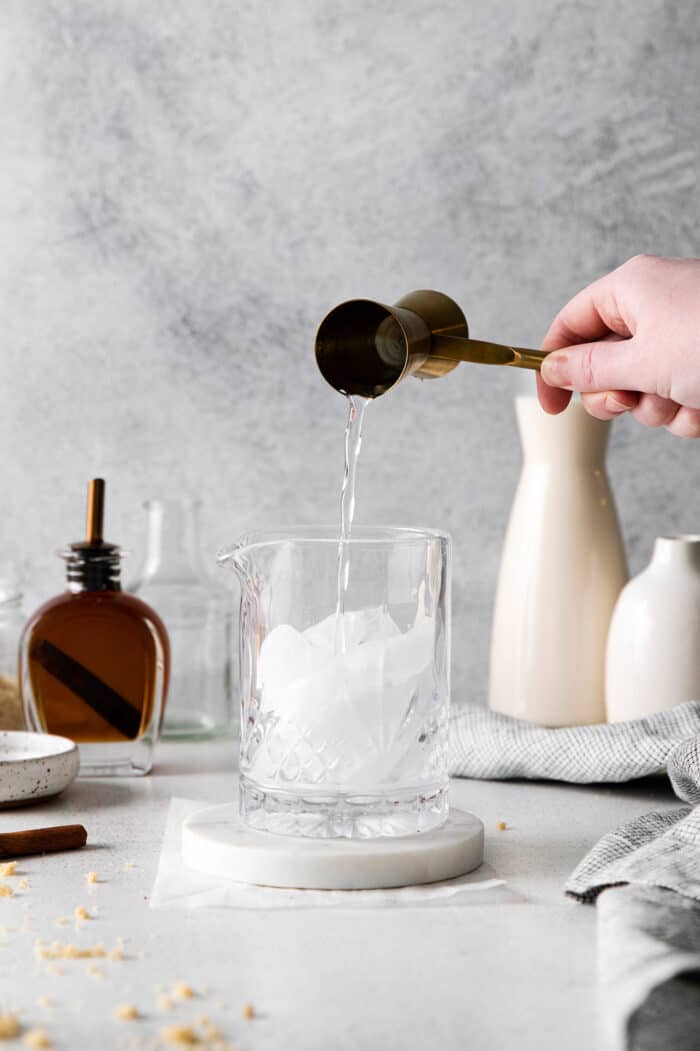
(457, 348)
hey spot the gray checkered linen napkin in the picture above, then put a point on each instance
(660, 849)
(649, 916)
(485, 744)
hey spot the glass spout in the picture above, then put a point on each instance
(238, 557)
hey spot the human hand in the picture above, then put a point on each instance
(631, 343)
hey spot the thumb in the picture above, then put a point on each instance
(608, 364)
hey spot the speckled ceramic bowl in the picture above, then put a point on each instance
(34, 766)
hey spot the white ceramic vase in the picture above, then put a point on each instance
(653, 657)
(562, 569)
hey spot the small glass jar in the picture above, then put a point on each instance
(12, 618)
(198, 613)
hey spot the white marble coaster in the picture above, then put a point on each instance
(214, 841)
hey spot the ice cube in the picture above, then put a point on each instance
(284, 658)
(359, 625)
(343, 718)
(410, 654)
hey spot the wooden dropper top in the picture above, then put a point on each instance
(95, 511)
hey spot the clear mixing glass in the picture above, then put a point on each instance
(352, 741)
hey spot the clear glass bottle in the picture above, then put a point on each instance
(198, 614)
(94, 661)
(12, 620)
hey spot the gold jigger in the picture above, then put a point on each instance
(366, 348)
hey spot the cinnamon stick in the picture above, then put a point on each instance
(42, 840)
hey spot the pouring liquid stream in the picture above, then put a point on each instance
(353, 442)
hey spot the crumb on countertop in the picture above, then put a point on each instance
(23, 884)
(115, 954)
(92, 877)
(248, 1012)
(182, 991)
(501, 826)
(180, 1035)
(56, 951)
(37, 1038)
(9, 1026)
(8, 868)
(80, 913)
(6, 891)
(126, 1013)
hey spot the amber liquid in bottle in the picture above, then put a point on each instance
(94, 661)
(93, 665)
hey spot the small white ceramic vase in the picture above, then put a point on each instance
(653, 652)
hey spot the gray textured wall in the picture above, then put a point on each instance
(185, 188)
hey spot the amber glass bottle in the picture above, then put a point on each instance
(94, 661)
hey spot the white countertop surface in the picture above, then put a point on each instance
(449, 976)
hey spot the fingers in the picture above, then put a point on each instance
(596, 311)
(601, 346)
(648, 409)
(610, 364)
(685, 424)
(653, 411)
(606, 405)
(552, 399)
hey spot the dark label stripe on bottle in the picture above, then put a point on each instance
(109, 704)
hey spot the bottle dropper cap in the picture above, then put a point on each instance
(94, 542)
(95, 511)
(92, 564)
